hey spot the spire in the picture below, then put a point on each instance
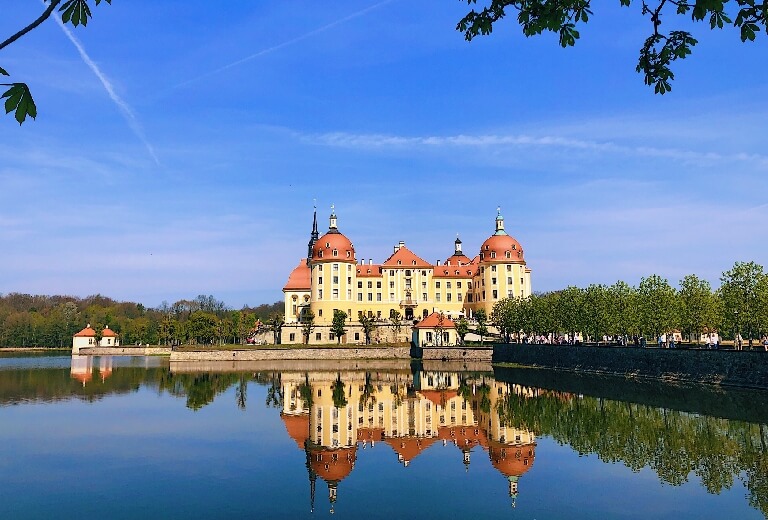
(499, 223)
(332, 221)
(313, 236)
(457, 246)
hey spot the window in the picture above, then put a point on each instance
(335, 294)
(336, 280)
(521, 281)
(448, 297)
(493, 281)
(391, 272)
(423, 285)
(493, 254)
(495, 294)
(469, 298)
(391, 296)
(510, 293)
(378, 315)
(378, 285)
(391, 285)
(469, 285)
(509, 267)
(357, 338)
(320, 254)
(437, 285)
(320, 312)
(413, 262)
(483, 295)
(447, 285)
(331, 336)
(359, 296)
(320, 279)
(378, 296)
(423, 273)
(370, 297)
(509, 280)
(335, 267)
(458, 296)
(292, 336)
(349, 280)
(407, 272)
(458, 285)
(508, 254)
(359, 285)
(318, 337)
(319, 294)
(335, 252)
(370, 284)
(349, 266)
(424, 297)
(493, 268)
(437, 297)
(349, 296)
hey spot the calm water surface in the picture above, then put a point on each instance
(101, 437)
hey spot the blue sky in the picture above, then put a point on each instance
(191, 166)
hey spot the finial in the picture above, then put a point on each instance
(498, 210)
(314, 203)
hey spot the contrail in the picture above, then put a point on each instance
(284, 44)
(126, 110)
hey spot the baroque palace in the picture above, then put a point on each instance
(403, 285)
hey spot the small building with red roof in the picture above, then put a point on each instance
(436, 330)
(88, 338)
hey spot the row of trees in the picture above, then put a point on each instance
(738, 307)
(51, 321)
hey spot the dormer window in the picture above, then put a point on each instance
(457, 272)
(327, 244)
(349, 253)
(514, 246)
(482, 255)
(508, 254)
(320, 254)
(399, 262)
(335, 252)
(413, 263)
(493, 254)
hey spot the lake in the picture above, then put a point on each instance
(136, 437)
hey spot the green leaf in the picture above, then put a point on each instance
(76, 12)
(3, 72)
(20, 99)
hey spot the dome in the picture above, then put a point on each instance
(333, 247)
(501, 248)
(511, 460)
(333, 465)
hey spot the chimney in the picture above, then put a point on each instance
(370, 261)
(438, 263)
(401, 245)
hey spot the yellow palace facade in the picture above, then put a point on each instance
(403, 285)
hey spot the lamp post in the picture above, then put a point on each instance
(736, 334)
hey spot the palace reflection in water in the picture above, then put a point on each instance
(331, 416)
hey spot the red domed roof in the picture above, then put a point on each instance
(511, 460)
(501, 248)
(333, 465)
(323, 250)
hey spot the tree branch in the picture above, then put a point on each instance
(43, 17)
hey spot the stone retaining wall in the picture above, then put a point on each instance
(124, 351)
(263, 354)
(454, 353)
(287, 365)
(720, 367)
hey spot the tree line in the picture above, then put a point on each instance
(50, 321)
(739, 308)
